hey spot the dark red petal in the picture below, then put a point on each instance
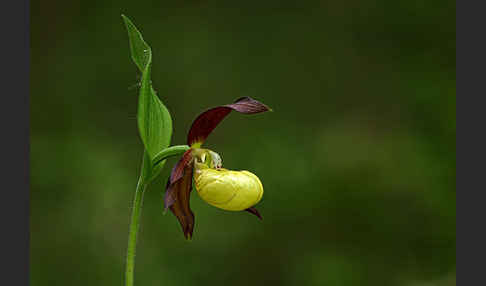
(254, 211)
(248, 105)
(178, 195)
(178, 170)
(170, 196)
(176, 174)
(208, 120)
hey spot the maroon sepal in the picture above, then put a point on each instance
(254, 211)
(181, 165)
(208, 120)
(177, 195)
(175, 175)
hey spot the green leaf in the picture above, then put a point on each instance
(140, 51)
(154, 121)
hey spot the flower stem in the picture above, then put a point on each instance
(133, 230)
(146, 175)
(169, 152)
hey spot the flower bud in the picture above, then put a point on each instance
(226, 189)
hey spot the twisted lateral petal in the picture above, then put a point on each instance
(176, 174)
(179, 168)
(177, 198)
(177, 195)
(205, 123)
(228, 190)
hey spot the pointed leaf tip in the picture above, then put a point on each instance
(139, 49)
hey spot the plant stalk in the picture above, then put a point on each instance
(133, 231)
(169, 152)
(143, 181)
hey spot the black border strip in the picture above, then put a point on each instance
(15, 51)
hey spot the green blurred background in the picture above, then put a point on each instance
(357, 161)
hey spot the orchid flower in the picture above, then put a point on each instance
(222, 188)
(219, 187)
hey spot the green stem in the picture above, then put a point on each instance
(143, 180)
(133, 230)
(168, 152)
